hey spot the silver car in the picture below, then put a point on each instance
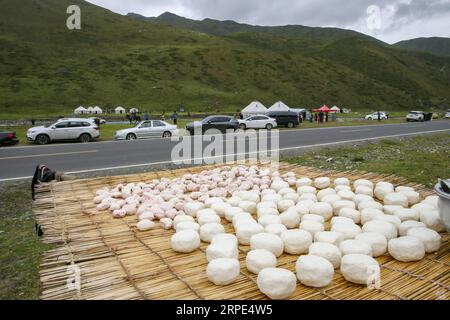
(147, 129)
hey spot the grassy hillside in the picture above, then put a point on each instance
(113, 60)
(434, 45)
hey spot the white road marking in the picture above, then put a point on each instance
(48, 155)
(241, 154)
(360, 130)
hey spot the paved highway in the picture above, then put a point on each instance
(20, 162)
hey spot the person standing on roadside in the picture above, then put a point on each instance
(175, 117)
(379, 116)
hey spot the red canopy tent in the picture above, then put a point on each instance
(325, 109)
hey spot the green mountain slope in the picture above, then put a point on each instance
(223, 28)
(46, 69)
(435, 45)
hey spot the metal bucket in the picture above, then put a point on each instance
(444, 206)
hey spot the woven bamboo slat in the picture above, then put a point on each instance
(115, 261)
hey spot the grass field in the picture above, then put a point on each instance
(419, 159)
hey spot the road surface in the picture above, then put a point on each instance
(20, 162)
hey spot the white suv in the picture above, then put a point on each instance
(415, 116)
(84, 130)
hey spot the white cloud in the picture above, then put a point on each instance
(400, 19)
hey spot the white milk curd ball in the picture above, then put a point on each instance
(267, 241)
(145, 224)
(430, 238)
(323, 209)
(358, 268)
(187, 225)
(396, 199)
(269, 219)
(257, 260)
(348, 230)
(406, 249)
(314, 271)
(245, 231)
(306, 190)
(432, 220)
(322, 182)
(364, 190)
(384, 184)
(248, 206)
(390, 209)
(223, 271)
(234, 201)
(381, 192)
(185, 241)
(388, 218)
(245, 216)
(376, 240)
(208, 218)
(303, 182)
(409, 224)
(276, 228)
(225, 249)
(308, 196)
(385, 228)
(413, 196)
(182, 218)
(249, 196)
(339, 219)
(325, 192)
(341, 182)
(276, 283)
(331, 199)
(327, 251)
(286, 191)
(209, 230)
(432, 200)
(313, 217)
(338, 205)
(278, 185)
(220, 207)
(423, 207)
(290, 218)
(311, 226)
(370, 204)
(283, 205)
(266, 204)
(353, 214)
(231, 212)
(191, 208)
(405, 214)
(346, 194)
(368, 214)
(342, 188)
(267, 211)
(331, 237)
(363, 182)
(272, 198)
(296, 241)
(225, 237)
(355, 247)
(291, 196)
(210, 201)
(361, 197)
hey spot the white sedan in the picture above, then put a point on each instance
(257, 122)
(147, 129)
(374, 116)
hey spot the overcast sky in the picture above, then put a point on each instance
(388, 20)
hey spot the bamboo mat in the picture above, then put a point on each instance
(115, 261)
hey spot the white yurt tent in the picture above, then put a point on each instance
(336, 108)
(279, 106)
(90, 110)
(97, 110)
(80, 110)
(119, 110)
(253, 108)
(134, 110)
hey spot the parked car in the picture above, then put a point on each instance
(374, 116)
(418, 116)
(285, 118)
(147, 129)
(221, 123)
(64, 129)
(257, 122)
(100, 120)
(8, 138)
(447, 115)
